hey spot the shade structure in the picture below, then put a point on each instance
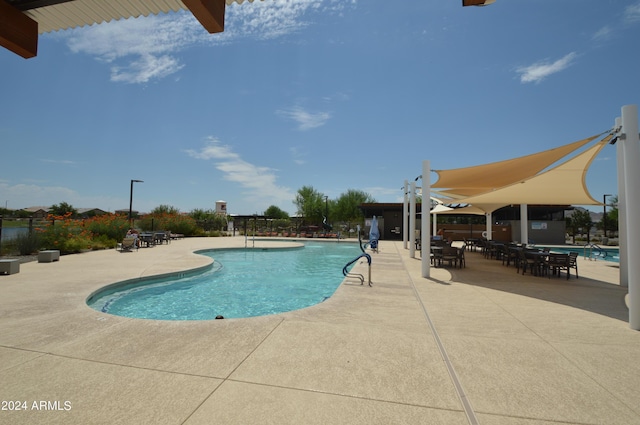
(463, 182)
(469, 209)
(561, 185)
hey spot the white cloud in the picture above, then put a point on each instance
(146, 48)
(539, 71)
(58, 161)
(306, 120)
(603, 33)
(259, 181)
(632, 13)
(22, 195)
(298, 155)
(139, 50)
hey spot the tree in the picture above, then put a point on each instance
(62, 209)
(348, 203)
(580, 220)
(165, 209)
(612, 215)
(274, 212)
(310, 204)
(209, 219)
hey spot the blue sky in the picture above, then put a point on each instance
(335, 94)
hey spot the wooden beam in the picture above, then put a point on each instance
(18, 32)
(472, 3)
(210, 13)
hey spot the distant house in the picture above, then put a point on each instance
(37, 212)
(90, 212)
(134, 213)
(42, 212)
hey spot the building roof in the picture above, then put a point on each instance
(22, 20)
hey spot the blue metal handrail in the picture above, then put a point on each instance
(601, 253)
(346, 272)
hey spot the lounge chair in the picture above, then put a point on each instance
(129, 244)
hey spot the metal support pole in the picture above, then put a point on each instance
(622, 213)
(131, 201)
(524, 223)
(629, 138)
(405, 215)
(412, 220)
(425, 233)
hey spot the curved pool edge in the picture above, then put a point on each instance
(146, 279)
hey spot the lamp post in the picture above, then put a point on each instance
(604, 215)
(131, 200)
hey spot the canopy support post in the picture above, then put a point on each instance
(412, 220)
(631, 145)
(622, 213)
(524, 223)
(425, 233)
(405, 215)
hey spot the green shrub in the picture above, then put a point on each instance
(27, 243)
(112, 226)
(176, 223)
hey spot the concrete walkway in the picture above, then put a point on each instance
(475, 345)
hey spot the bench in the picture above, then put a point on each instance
(10, 266)
(48, 256)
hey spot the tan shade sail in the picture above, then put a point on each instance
(562, 185)
(483, 178)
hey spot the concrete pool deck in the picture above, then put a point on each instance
(475, 345)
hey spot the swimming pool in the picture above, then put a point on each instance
(598, 253)
(244, 282)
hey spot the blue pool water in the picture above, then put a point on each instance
(606, 254)
(242, 283)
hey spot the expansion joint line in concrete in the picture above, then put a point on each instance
(466, 404)
(234, 369)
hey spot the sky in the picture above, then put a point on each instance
(333, 94)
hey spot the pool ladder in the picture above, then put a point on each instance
(347, 273)
(590, 248)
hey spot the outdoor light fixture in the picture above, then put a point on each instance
(131, 199)
(477, 2)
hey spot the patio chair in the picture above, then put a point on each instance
(556, 263)
(450, 255)
(573, 262)
(525, 262)
(128, 244)
(511, 256)
(461, 260)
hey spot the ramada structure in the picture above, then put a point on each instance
(21, 21)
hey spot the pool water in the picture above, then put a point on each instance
(606, 254)
(242, 283)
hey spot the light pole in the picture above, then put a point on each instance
(604, 215)
(131, 200)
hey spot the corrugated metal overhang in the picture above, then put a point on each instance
(78, 13)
